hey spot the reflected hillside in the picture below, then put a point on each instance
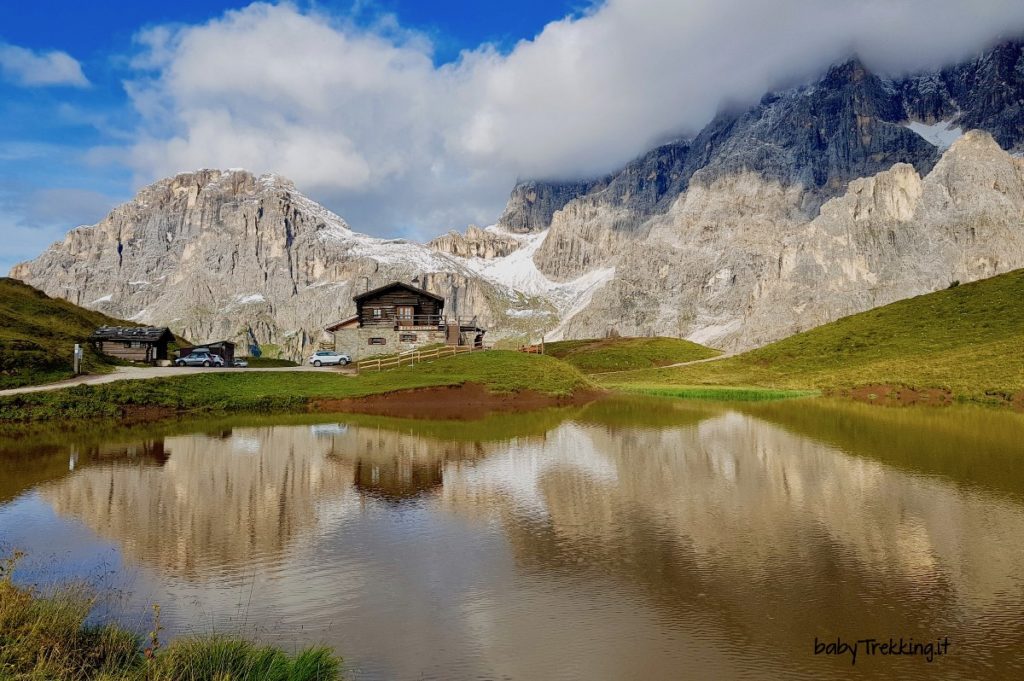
(972, 445)
(634, 411)
(233, 496)
(495, 427)
(725, 517)
(218, 500)
(23, 468)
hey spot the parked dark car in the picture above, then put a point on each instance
(200, 359)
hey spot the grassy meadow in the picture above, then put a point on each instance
(967, 341)
(601, 355)
(498, 371)
(725, 393)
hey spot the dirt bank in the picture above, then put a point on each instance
(897, 395)
(460, 402)
(890, 395)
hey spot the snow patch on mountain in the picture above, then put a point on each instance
(518, 272)
(941, 134)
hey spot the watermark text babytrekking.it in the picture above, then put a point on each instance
(873, 647)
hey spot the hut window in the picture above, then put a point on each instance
(376, 314)
(377, 340)
(407, 337)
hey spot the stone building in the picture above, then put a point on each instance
(399, 317)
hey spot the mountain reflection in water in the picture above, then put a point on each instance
(652, 539)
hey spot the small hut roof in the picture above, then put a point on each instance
(399, 284)
(150, 334)
(343, 322)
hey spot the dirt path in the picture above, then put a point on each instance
(716, 358)
(143, 373)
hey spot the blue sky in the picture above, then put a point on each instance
(93, 32)
(48, 180)
(407, 118)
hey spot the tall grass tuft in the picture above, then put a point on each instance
(199, 659)
(46, 637)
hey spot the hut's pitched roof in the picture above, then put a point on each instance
(151, 334)
(343, 323)
(211, 344)
(399, 284)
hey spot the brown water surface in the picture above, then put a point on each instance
(626, 539)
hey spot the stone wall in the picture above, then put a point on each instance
(356, 342)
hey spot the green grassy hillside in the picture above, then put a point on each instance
(618, 354)
(968, 341)
(38, 334)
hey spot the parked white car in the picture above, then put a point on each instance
(328, 357)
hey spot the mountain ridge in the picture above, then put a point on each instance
(696, 238)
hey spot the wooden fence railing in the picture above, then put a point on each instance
(414, 357)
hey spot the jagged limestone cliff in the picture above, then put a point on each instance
(734, 264)
(475, 243)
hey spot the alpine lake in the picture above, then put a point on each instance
(630, 538)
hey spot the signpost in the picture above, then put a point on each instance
(78, 359)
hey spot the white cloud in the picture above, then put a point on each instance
(32, 69)
(362, 119)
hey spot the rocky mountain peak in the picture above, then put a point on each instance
(235, 182)
(851, 71)
(532, 203)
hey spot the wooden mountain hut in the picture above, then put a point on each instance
(133, 343)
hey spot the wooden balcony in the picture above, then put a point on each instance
(412, 322)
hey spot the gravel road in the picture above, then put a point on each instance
(142, 373)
